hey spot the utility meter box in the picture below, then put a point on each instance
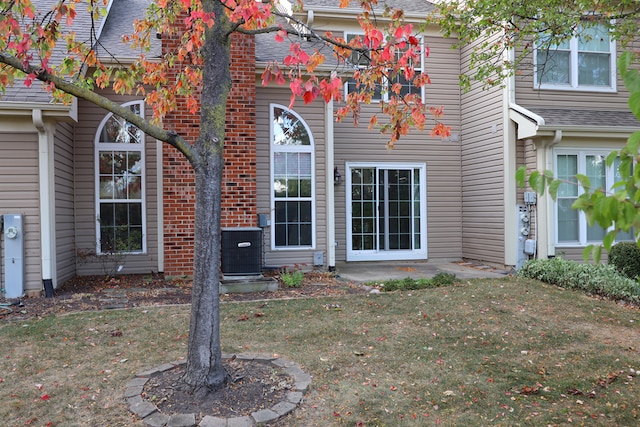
(13, 246)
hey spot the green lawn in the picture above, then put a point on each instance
(493, 352)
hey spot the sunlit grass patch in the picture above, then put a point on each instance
(492, 352)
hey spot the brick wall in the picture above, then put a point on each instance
(239, 178)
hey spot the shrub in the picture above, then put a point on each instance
(292, 279)
(409, 284)
(596, 279)
(625, 256)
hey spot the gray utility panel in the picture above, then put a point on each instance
(13, 248)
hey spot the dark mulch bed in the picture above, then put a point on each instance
(89, 293)
(253, 386)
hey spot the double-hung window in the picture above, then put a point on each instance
(584, 62)
(120, 185)
(292, 181)
(571, 224)
(361, 60)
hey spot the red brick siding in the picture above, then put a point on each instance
(239, 178)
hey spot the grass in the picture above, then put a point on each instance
(510, 352)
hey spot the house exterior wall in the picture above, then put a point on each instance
(540, 149)
(19, 194)
(313, 114)
(64, 202)
(528, 96)
(483, 163)
(89, 118)
(239, 179)
(442, 157)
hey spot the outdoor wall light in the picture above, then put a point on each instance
(337, 178)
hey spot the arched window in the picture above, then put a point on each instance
(292, 181)
(120, 184)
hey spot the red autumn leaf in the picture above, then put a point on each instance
(45, 397)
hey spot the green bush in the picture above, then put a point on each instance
(409, 284)
(595, 279)
(625, 256)
(292, 279)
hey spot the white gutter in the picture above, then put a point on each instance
(160, 203)
(509, 172)
(47, 110)
(329, 184)
(46, 177)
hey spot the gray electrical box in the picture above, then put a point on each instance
(530, 197)
(13, 246)
(318, 259)
(524, 227)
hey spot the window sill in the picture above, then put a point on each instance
(565, 88)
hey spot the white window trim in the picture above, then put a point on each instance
(395, 255)
(99, 146)
(291, 149)
(573, 59)
(385, 95)
(582, 154)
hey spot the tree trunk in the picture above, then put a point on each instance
(204, 359)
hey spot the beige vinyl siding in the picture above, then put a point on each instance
(64, 203)
(313, 115)
(19, 194)
(482, 171)
(527, 96)
(89, 118)
(442, 157)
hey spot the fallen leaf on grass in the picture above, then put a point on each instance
(242, 318)
(449, 393)
(529, 390)
(258, 314)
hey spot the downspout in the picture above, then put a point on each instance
(46, 177)
(329, 184)
(548, 203)
(509, 177)
(160, 203)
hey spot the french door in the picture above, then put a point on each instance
(386, 211)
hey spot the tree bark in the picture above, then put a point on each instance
(205, 371)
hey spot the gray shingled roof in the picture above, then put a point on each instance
(119, 22)
(409, 6)
(586, 118)
(268, 49)
(81, 25)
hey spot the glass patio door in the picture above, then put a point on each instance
(386, 212)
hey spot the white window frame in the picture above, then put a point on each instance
(573, 71)
(290, 149)
(581, 154)
(392, 255)
(116, 146)
(385, 83)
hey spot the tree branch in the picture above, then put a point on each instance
(170, 137)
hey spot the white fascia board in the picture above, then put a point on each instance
(53, 111)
